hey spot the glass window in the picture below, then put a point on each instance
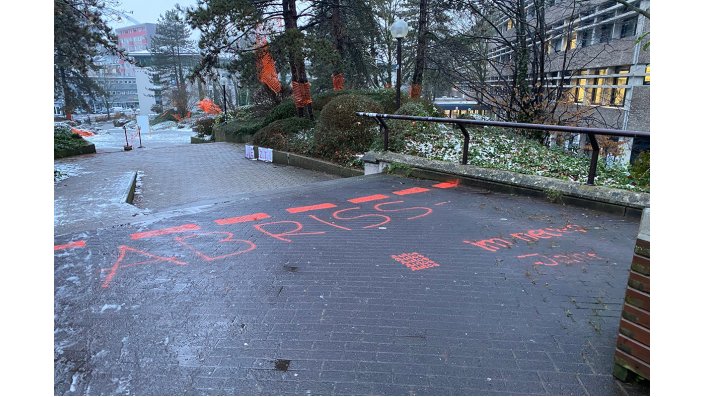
(580, 87)
(573, 42)
(558, 44)
(597, 93)
(510, 24)
(618, 93)
(605, 32)
(647, 78)
(628, 28)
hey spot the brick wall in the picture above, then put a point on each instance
(632, 356)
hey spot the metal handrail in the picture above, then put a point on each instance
(591, 132)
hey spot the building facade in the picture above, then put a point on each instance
(596, 65)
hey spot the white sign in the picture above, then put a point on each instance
(265, 154)
(143, 123)
(250, 152)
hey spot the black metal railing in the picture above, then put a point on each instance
(461, 123)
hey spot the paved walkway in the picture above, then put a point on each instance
(375, 285)
(170, 173)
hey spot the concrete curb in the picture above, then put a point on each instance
(601, 198)
(309, 163)
(195, 140)
(129, 194)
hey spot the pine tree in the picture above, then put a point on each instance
(80, 34)
(169, 69)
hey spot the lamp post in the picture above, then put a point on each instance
(399, 30)
(223, 80)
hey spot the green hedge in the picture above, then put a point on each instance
(284, 110)
(66, 143)
(340, 133)
(282, 134)
(238, 128)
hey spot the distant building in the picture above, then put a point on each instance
(136, 37)
(593, 51)
(457, 107)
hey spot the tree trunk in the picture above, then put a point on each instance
(299, 82)
(422, 43)
(338, 30)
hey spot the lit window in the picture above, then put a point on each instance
(573, 43)
(597, 94)
(579, 96)
(647, 78)
(618, 93)
(510, 24)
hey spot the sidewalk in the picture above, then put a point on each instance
(169, 174)
(375, 285)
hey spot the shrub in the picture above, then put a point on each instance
(67, 143)
(284, 110)
(640, 171)
(278, 134)
(235, 127)
(322, 99)
(385, 97)
(204, 126)
(402, 131)
(340, 133)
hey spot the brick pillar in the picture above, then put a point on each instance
(632, 356)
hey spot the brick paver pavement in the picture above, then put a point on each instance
(169, 175)
(375, 285)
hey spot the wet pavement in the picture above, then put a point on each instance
(169, 173)
(375, 285)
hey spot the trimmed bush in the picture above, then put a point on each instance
(322, 99)
(204, 126)
(237, 130)
(340, 133)
(284, 110)
(385, 97)
(280, 133)
(67, 143)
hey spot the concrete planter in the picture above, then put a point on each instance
(196, 139)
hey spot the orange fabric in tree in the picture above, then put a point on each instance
(267, 69)
(209, 107)
(301, 93)
(338, 82)
(415, 91)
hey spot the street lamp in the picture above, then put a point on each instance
(223, 80)
(399, 30)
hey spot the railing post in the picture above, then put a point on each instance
(385, 130)
(466, 143)
(593, 160)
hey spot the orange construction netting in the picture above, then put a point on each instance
(267, 68)
(415, 91)
(82, 133)
(209, 107)
(301, 93)
(338, 82)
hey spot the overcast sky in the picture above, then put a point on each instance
(148, 11)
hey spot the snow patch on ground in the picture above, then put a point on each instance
(67, 170)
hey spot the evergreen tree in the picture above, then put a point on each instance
(169, 69)
(81, 33)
